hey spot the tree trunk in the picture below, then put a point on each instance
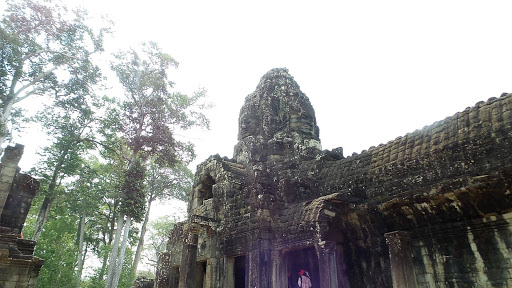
(86, 249)
(43, 216)
(112, 223)
(83, 261)
(140, 245)
(80, 259)
(5, 117)
(103, 266)
(48, 200)
(110, 239)
(120, 261)
(113, 253)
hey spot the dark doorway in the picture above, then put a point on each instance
(239, 271)
(303, 259)
(206, 188)
(200, 279)
(174, 277)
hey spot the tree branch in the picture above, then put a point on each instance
(49, 51)
(33, 92)
(35, 80)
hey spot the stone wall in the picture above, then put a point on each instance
(474, 142)
(19, 268)
(18, 271)
(8, 169)
(465, 254)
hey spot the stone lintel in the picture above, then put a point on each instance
(192, 228)
(203, 221)
(397, 237)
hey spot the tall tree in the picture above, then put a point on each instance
(152, 113)
(45, 49)
(86, 196)
(162, 183)
(57, 247)
(111, 177)
(71, 122)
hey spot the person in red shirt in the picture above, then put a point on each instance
(304, 281)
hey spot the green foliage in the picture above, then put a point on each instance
(147, 274)
(134, 197)
(90, 195)
(71, 123)
(57, 247)
(151, 112)
(158, 236)
(166, 183)
(125, 281)
(30, 222)
(45, 49)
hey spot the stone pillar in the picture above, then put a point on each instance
(216, 263)
(208, 279)
(402, 268)
(326, 252)
(260, 265)
(23, 189)
(18, 266)
(25, 246)
(343, 280)
(8, 168)
(162, 278)
(229, 265)
(189, 255)
(279, 276)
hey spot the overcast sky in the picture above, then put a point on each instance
(373, 70)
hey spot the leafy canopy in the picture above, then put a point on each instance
(45, 49)
(151, 111)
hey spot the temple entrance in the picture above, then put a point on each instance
(306, 259)
(239, 271)
(200, 279)
(236, 272)
(174, 277)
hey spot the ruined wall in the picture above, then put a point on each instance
(18, 203)
(17, 270)
(465, 254)
(474, 142)
(18, 267)
(8, 169)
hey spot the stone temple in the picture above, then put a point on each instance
(430, 209)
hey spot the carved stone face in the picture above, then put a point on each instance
(303, 122)
(248, 125)
(280, 119)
